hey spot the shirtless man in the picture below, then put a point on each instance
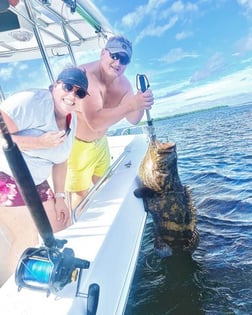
(111, 98)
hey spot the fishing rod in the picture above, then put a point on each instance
(44, 268)
(142, 80)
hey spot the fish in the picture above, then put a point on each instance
(167, 200)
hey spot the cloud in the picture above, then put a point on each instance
(216, 93)
(214, 65)
(160, 18)
(248, 60)
(177, 54)
(131, 20)
(181, 8)
(6, 73)
(153, 30)
(172, 93)
(183, 35)
(244, 45)
(247, 4)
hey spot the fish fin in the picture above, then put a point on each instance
(143, 192)
(161, 248)
(164, 251)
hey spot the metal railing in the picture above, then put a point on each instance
(76, 212)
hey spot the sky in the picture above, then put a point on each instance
(196, 54)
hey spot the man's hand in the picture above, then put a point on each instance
(62, 212)
(51, 139)
(142, 100)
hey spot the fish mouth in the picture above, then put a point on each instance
(166, 147)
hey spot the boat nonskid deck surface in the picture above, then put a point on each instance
(108, 234)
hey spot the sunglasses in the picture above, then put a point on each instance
(68, 87)
(124, 59)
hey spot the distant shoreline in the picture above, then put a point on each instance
(195, 111)
(184, 114)
(128, 128)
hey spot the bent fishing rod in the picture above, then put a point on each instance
(142, 83)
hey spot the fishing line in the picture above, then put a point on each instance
(37, 270)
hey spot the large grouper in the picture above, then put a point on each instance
(168, 201)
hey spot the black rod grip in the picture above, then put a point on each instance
(142, 81)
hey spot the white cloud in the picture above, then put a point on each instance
(132, 19)
(214, 65)
(217, 93)
(180, 7)
(160, 16)
(246, 3)
(155, 30)
(177, 54)
(6, 73)
(182, 35)
(244, 45)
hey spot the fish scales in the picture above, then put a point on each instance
(168, 200)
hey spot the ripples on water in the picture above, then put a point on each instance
(215, 160)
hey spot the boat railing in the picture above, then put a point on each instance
(2, 96)
(130, 130)
(76, 212)
(159, 131)
(133, 130)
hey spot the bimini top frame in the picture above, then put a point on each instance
(44, 28)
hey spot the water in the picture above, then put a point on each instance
(215, 160)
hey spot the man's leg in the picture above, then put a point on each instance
(17, 233)
(76, 197)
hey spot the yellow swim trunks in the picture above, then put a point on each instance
(86, 159)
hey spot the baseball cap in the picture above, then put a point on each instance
(74, 76)
(119, 44)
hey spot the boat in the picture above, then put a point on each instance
(94, 260)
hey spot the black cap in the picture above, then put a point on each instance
(74, 76)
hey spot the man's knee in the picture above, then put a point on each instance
(76, 197)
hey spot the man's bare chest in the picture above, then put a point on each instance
(112, 99)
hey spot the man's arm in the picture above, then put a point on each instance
(147, 99)
(58, 179)
(46, 140)
(131, 107)
(58, 176)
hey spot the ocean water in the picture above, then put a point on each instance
(215, 159)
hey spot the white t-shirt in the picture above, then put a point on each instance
(33, 113)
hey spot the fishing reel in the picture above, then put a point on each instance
(48, 269)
